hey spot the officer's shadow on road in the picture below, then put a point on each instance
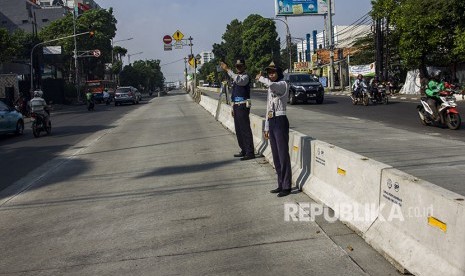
(183, 169)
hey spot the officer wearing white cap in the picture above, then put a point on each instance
(277, 126)
(240, 98)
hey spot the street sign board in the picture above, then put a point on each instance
(178, 45)
(168, 47)
(167, 39)
(178, 35)
(96, 53)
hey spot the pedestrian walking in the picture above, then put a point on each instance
(277, 126)
(240, 100)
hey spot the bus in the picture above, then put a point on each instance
(97, 87)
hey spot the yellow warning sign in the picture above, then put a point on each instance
(177, 35)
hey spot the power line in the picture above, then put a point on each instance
(182, 59)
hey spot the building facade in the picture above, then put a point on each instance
(205, 57)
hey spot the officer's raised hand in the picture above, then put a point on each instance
(224, 66)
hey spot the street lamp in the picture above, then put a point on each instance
(112, 54)
(42, 43)
(113, 42)
(302, 59)
(129, 56)
(288, 41)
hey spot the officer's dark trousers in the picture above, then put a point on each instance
(243, 131)
(279, 142)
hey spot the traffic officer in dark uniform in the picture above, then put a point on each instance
(277, 126)
(240, 100)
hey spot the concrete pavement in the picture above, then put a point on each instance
(159, 193)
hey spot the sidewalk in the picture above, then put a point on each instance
(161, 194)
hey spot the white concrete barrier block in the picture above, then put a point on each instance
(346, 182)
(421, 226)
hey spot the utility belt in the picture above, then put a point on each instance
(247, 103)
(273, 114)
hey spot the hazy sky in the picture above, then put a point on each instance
(147, 21)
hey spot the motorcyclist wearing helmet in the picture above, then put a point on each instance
(39, 106)
(432, 93)
(374, 83)
(358, 85)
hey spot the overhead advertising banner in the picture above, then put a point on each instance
(302, 7)
(365, 70)
(52, 50)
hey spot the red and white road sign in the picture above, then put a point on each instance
(96, 53)
(167, 39)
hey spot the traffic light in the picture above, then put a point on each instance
(91, 34)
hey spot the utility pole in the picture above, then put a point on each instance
(331, 44)
(288, 40)
(185, 72)
(76, 69)
(42, 43)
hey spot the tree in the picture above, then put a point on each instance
(143, 74)
(101, 22)
(255, 40)
(15, 46)
(260, 43)
(365, 51)
(428, 32)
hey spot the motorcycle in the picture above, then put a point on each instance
(447, 109)
(363, 97)
(378, 95)
(39, 125)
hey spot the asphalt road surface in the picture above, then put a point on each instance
(70, 124)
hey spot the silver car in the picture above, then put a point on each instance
(127, 94)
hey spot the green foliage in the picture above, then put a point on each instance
(15, 46)
(101, 21)
(143, 74)
(427, 32)
(255, 40)
(365, 51)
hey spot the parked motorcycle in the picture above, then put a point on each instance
(378, 95)
(447, 109)
(363, 97)
(39, 125)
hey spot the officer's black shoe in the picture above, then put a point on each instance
(275, 191)
(240, 154)
(248, 157)
(284, 193)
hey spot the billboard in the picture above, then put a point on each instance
(367, 70)
(302, 7)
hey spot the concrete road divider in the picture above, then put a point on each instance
(421, 226)
(416, 225)
(346, 182)
(209, 104)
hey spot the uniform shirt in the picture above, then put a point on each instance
(276, 99)
(239, 79)
(37, 105)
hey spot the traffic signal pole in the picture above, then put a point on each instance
(42, 43)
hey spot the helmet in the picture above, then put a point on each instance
(38, 93)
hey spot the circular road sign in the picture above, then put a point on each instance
(96, 53)
(167, 39)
